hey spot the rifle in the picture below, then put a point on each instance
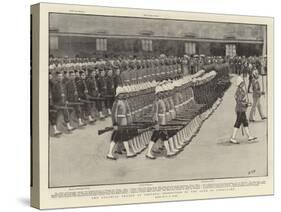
(108, 96)
(140, 128)
(173, 125)
(86, 101)
(169, 128)
(107, 129)
(60, 107)
(96, 98)
(183, 119)
(75, 103)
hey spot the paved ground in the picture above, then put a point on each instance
(79, 158)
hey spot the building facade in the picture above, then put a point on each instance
(89, 35)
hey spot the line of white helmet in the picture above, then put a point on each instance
(167, 85)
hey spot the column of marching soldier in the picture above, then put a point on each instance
(134, 85)
(84, 84)
(169, 114)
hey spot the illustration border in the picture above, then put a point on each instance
(186, 20)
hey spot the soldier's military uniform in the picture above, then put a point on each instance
(159, 117)
(120, 120)
(84, 95)
(110, 91)
(117, 78)
(53, 112)
(102, 87)
(257, 93)
(94, 90)
(73, 99)
(60, 99)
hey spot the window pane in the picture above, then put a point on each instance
(54, 42)
(143, 45)
(104, 44)
(194, 49)
(150, 45)
(97, 44)
(101, 44)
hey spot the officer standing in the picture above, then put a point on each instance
(250, 72)
(257, 93)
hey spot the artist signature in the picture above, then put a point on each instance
(253, 171)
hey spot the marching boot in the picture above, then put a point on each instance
(109, 111)
(250, 138)
(172, 147)
(232, 139)
(185, 133)
(91, 120)
(56, 131)
(192, 127)
(80, 123)
(180, 139)
(167, 147)
(101, 115)
(147, 137)
(189, 134)
(149, 151)
(175, 143)
(142, 138)
(133, 147)
(119, 148)
(110, 151)
(69, 127)
(128, 151)
(138, 144)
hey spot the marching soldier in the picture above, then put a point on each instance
(117, 77)
(159, 113)
(110, 90)
(94, 91)
(192, 65)
(73, 97)
(77, 74)
(241, 108)
(257, 93)
(52, 110)
(170, 115)
(84, 94)
(60, 100)
(124, 75)
(185, 64)
(120, 120)
(102, 89)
